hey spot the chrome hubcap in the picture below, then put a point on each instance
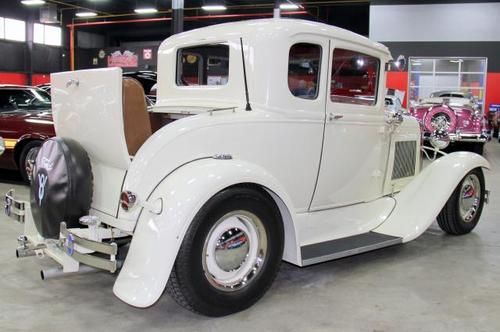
(470, 197)
(234, 250)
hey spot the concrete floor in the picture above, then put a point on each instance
(435, 283)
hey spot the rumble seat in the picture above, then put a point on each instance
(136, 122)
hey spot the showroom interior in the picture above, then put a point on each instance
(445, 61)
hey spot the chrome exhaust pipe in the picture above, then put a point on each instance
(58, 272)
(27, 251)
(24, 252)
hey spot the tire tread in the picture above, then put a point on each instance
(180, 289)
(449, 219)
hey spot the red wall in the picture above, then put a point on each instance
(40, 79)
(398, 80)
(492, 89)
(22, 79)
(13, 78)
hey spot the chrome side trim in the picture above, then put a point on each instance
(222, 156)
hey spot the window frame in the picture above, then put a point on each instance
(413, 71)
(318, 78)
(361, 51)
(6, 37)
(44, 28)
(201, 65)
(2, 28)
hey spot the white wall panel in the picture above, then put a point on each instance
(439, 22)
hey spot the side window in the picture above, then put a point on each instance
(303, 70)
(354, 77)
(203, 65)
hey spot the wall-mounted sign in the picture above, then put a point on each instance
(102, 54)
(147, 54)
(125, 59)
(95, 61)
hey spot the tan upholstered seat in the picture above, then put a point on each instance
(136, 120)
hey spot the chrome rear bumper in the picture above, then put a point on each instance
(74, 247)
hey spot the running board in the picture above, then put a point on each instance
(352, 245)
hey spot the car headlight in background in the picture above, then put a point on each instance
(440, 140)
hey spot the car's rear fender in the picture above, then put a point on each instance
(420, 202)
(158, 236)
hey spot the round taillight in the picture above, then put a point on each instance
(127, 200)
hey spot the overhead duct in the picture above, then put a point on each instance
(48, 14)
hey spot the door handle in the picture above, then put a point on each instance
(332, 116)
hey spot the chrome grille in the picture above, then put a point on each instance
(404, 159)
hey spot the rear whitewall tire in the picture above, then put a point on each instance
(230, 255)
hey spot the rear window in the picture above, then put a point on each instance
(203, 65)
(354, 77)
(303, 70)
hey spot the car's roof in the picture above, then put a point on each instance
(283, 27)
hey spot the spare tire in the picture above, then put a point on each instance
(61, 186)
(440, 118)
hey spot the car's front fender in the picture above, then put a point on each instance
(420, 202)
(158, 237)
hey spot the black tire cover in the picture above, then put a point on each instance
(61, 186)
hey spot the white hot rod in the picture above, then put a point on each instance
(269, 142)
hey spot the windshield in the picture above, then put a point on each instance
(24, 99)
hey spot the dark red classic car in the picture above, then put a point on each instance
(25, 122)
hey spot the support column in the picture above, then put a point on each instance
(277, 11)
(72, 47)
(177, 16)
(29, 48)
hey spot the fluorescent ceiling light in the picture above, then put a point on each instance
(149, 10)
(213, 7)
(289, 6)
(33, 2)
(86, 14)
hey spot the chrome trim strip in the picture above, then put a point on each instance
(14, 209)
(97, 262)
(104, 248)
(464, 138)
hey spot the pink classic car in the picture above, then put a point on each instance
(450, 117)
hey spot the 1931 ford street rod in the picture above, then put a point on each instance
(268, 142)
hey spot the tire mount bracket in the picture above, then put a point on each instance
(76, 249)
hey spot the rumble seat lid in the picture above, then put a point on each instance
(87, 107)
